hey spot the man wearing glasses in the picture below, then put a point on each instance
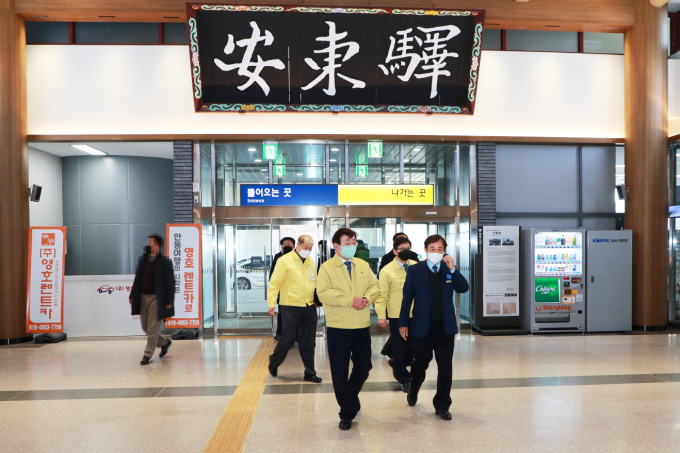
(388, 306)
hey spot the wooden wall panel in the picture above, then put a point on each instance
(13, 175)
(646, 91)
(572, 15)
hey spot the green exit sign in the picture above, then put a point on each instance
(279, 171)
(375, 150)
(270, 151)
(362, 171)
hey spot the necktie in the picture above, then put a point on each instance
(349, 268)
(434, 269)
(406, 267)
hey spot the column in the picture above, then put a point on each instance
(646, 113)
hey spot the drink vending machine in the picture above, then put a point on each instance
(553, 284)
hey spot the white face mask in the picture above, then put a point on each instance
(435, 258)
(304, 254)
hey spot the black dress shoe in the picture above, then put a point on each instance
(312, 378)
(443, 414)
(411, 397)
(345, 424)
(164, 349)
(405, 387)
(145, 360)
(273, 371)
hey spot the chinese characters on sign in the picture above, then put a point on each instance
(45, 301)
(312, 59)
(184, 250)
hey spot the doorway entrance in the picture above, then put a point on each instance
(247, 240)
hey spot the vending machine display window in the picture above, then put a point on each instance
(558, 253)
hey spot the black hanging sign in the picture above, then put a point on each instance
(318, 59)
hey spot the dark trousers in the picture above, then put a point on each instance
(442, 345)
(279, 321)
(401, 353)
(345, 345)
(300, 323)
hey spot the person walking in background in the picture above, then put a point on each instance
(287, 245)
(388, 306)
(389, 256)
(347, 287)
(429, 288)
(153, 296)
(295, 280)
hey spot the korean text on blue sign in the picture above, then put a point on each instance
(288, 195)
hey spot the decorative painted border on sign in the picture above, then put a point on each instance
(242, 108)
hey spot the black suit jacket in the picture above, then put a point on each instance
(417, 290)
(165, 287)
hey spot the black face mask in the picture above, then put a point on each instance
(404, 255)
(147, 250)
(287, 250)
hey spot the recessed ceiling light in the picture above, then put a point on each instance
(415, 150)
(620, 166)
(333, 160)
(406, 160)
(258, 160)
(335, 149)
(395, 169)
(252, 149)
(298, 174)
(264, 169)
(89, 149)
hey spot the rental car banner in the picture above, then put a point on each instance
(184, 251)
(322, 59)
(45, 298)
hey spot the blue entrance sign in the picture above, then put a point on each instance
(288, 194)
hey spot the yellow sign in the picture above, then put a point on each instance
(377, 194)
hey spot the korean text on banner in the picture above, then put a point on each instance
(184, 251)
(45, 298)
(375, 194)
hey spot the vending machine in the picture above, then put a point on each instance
(554, 286)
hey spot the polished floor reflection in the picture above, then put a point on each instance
(604, 393)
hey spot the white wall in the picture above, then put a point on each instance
(45, 170)
(147, 90)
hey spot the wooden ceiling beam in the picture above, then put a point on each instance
(565, 15)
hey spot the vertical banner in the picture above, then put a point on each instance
(184, 251)
(500, 249)
(45, 297)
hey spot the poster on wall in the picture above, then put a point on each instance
(500, 248)
(184, 251)
(247, 58)
(45, 298)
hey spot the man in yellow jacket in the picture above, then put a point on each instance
(346, 288)
(388, 305)
(295, 279)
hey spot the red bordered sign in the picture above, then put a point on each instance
(45, 294)
(184, 251)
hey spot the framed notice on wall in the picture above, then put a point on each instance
(184, 251)
(247, 58)
(45, 298)
(500, 249)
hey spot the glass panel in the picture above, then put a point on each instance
(46, 32)
(543, 41)
(491, 40)
(206, 177)
(603, 43)
(175, 33)
(620, 177)
(675, 162)
(675, 308)
(464, 268)
(464, 162)
(432, 164)
(380, 171)
(115, 32)
(337, 163)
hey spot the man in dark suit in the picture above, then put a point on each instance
(153, 296)
(389, 256)
(430, 286)
(287, 245)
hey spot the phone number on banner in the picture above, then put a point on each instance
(183, 322)
(45, 327)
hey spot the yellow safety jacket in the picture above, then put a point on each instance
(392, 278)
(295, 280)
(336, 291)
